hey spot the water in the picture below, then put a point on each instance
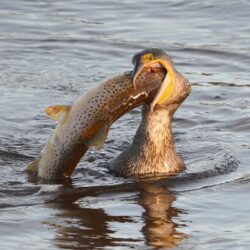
(53, 51)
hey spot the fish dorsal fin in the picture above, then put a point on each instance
(99, 138)
(57, 112)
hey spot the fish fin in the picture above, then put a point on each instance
(57, 112)
(99, 138)
(33, 167)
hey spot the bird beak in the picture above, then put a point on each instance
(136, 72)
(167, 86)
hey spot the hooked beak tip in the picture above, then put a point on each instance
(136, 72)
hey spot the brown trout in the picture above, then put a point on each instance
(86, 123)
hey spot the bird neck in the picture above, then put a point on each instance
(155, 131)
(154, 143)
(152, 150)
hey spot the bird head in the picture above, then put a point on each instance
(157, 58)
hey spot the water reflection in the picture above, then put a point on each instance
(85, 218)
(159, 229)
(78, 227)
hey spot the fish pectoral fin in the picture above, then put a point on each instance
(99, 138)
(57, 112)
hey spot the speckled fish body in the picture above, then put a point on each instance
(86, 123)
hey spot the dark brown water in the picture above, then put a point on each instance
(53, 51)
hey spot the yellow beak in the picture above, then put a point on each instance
(167, 86)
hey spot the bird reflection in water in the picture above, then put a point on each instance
(84, 217)
(159, 229)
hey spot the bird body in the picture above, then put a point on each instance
(152, 151)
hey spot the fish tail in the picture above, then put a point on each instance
(33, 166)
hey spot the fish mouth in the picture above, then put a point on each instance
(153, 67)
(167, 86)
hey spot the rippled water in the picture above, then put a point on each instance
(53, 51)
